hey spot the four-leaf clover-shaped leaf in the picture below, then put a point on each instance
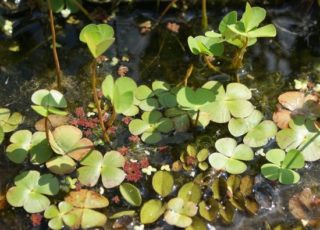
(151, 126)
(61, 215)
(108, 166)
(180, 212)
(232, 101)
(67, 142)
(282, 165)
(98, 38)
(301, 134)
(24, 142)
(230, 156)
(258, 131)
(30, 190)
(8, 121)
(48, 102)
(121, 94)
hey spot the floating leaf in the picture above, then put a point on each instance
(23, 142)
(30, 190)
(162, 183)
(151, 211)
(230, 156)
(209, 209)
(123, 214)
(179, 212)
(233, 101)
(190, 192)
(131, 194)
(108, 166)
(258, 132)
(86, 199)
(194, 99)
(8, 121)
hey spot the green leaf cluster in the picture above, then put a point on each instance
(282, 165)
(8, 122)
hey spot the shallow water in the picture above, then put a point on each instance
(160, 54)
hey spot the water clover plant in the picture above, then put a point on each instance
(145, 98)
(303, 135)
(230, 102)
(230, 156)
(77, 210)
(69, 145)
(60, 216)
(49, 102)
(258, 131)
(108, 166)
(180, 212)
(8, 122)
(59, 5)
(240, 33)
(151, 126)
(98, 38)
(30, 191)
(282, 165)
(23, 142)
(120, 92)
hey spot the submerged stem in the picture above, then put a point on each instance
(197, 118)
(210, 65)
(96, 99)
(54, 50)
(204, 19)
(46, 128)
(112, 118)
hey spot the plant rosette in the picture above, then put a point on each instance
(282, 165)
(97, 37)
(230, 156)
(303, 135)
(232, 102)
(23, 142)
(8, 122)
(258, 131)
(109, 166)
(49, 102)
(30, 190)
(120, 92)
(69, 145)
(151, 126)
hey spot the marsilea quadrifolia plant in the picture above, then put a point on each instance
(157, 113)
(240, 33)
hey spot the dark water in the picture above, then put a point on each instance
(159, 54)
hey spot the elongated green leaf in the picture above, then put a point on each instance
(162, 183)
(131, 194)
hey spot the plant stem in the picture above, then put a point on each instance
(96, 99)
(184, 82)
(112, 118)
(164, 12)
(209, 64)
(46, 128)
(197, 118)
(238, 58)
(204, 19)
(54, 50)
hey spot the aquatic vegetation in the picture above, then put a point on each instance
(77, 211)
(48, 102)
(8, 122)
(151, 211)
(30, 191)
(230, 156)
(151, 126)
(258, 131)
(23, 143)
(59, 5)
(303, 135)
(240, 33)
(69, 145)
(162, 183)
(108, 166)
(191, 158)
(282, 165)
(131, 194)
